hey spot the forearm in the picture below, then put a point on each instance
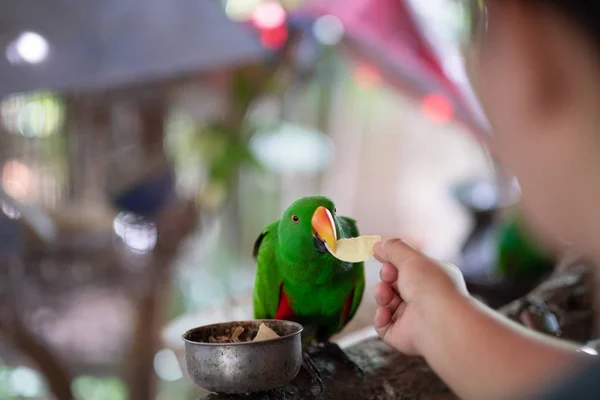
(482, 355)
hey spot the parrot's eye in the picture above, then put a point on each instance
(295, 218)
(334, 210)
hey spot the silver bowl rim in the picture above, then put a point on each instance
(297, 325)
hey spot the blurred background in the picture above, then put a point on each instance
(144, 145)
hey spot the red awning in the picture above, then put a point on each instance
(386, 34)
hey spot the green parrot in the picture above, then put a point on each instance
(520, 254)
(298, 279)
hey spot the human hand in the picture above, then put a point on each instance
(412, 286)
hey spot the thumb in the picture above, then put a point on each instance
(394, 251)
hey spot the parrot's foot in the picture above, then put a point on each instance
(311, 368)
(335, 351)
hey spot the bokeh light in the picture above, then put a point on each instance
(29, 47)
(437, 107)
(366, 76)
(268, 15)
(166, 366)
(139, 235)
(241, 10)
(328, 30)
(484, 195)
(293, 149)
(273, 39)
(19, 181)
(589, 350)
(24, 382)
(9, 211)
(38, 115)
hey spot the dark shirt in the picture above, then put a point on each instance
(583, 386)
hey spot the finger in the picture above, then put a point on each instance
(388, 273)
(394, 251)
(397, 311)
(384, 294)
(376, 249)
(395, 304)
(382, 321)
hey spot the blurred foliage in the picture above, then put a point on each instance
(220, 146)
(20, 383)
(92, 388)
(224, 144)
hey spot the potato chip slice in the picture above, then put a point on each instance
(355, 250)
(235, 336)
(264, 333)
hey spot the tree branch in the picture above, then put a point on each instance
(56, 374)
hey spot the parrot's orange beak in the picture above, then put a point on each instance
(324, 226)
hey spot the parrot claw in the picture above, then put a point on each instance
(335, 351)
(311, 368)
(358, 370)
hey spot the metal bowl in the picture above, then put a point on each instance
(244, 367)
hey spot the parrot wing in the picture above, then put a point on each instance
(267, 284)
(349, 230)
(354, 299)
(348, 227)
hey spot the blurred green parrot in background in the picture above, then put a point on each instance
(298, 279)
(520, 254)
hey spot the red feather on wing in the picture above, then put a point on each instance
(347, 306)
(284, 309)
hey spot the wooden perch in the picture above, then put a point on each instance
(388, 375)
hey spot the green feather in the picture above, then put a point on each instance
(266, 284)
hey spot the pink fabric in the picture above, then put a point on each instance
(388, 36)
